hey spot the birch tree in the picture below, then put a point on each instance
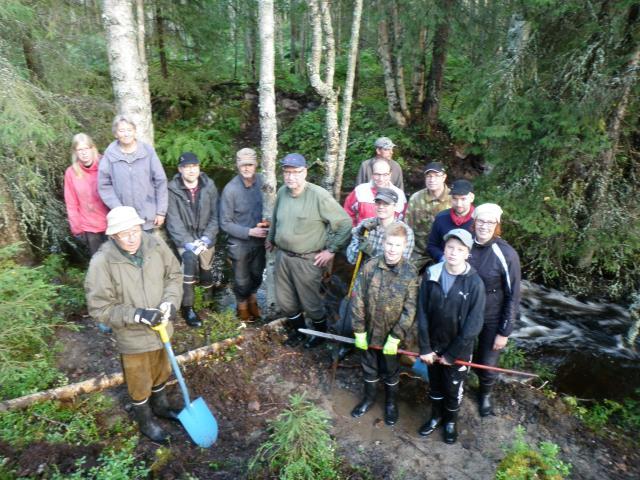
(268, 125)
(397, 60)
(129, 76)
(347, 97)
(322, 38)
(419, 73)
(390, 85)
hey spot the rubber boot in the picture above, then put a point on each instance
(190, 316)
(254, 310)
(450, 431)
(147, 423)
(367, 402)
(390, 404)
(243, 311)
(295, 337)
(160, 403)
(485, 406)
(435, 421)
(343, 351)
(314, 340)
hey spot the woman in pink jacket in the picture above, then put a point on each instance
(86, 211)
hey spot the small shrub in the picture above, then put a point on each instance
(623, 415)
(223, 325)
(299, 445)
(524, 462)
(512, 357)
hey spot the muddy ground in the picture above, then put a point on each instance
(250, 385)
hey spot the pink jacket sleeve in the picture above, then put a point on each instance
(72, 203)
(349, 207)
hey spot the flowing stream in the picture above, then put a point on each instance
(582, 342)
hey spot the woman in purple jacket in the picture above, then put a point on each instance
(131, 175)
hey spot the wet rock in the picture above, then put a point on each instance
(254, 406)
(290, 104)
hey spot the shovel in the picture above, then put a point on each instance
(196, 418)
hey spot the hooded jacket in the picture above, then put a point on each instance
(503, 294)
(185, 223)
(449, 324)
(137, 180)
(85, 209)
(115, 287)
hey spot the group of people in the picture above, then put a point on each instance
(469, 289)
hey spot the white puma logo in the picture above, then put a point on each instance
(464, 295)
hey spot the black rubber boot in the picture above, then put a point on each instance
(485, 406)
(147, 423)
(390, 404)
(367, 402)
(191, 317)
(314, 340)
(435, 421)
(160, 403)
(343, 351)
(450, 431)
(294, 323)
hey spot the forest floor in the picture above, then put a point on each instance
(249, 384)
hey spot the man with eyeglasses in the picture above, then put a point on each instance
(360, 203)
(307, 228)
(458, 216)
(423, 207)
(384, 151)
(133, 284)
(192, 223)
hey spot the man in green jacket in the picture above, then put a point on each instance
(308, 227)
(133, 284)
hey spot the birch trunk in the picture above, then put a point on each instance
(436, 72)
(397, 60)
(384, 51)
(347, 96)
(419, 73)
(128, 74)
(321, 24)
(268, 128)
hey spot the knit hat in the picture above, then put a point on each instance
(460, 234)
(246, 156)
(490, 211)
(122, 218)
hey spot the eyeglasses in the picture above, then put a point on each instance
(131, 234)
(434, 175)
(489, 223)
(85, 149)
(382, 174)
(292, 173)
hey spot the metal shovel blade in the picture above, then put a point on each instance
(199, 423)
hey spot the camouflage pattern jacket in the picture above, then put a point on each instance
(421, 212)
(384, 299)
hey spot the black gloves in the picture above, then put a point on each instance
(148, 316)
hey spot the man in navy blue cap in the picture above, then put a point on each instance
(307, 228)
(192, 223)
(458, 216)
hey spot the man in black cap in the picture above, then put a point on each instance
(458, 216)
(424, 205)
(192, 223)
(308, 227)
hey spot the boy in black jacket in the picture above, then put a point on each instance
(450, 317)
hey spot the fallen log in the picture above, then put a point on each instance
(103, 382)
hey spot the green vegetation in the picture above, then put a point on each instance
(113, 464)
(526, 462)
(514, 358)
(299, 445)
(618, 417)
(31, 307)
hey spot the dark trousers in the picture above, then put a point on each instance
(486, 355)
(248, 263)
(298, 285)
(446, 382)
(376, 366)
(93, 241)
(194, 267)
